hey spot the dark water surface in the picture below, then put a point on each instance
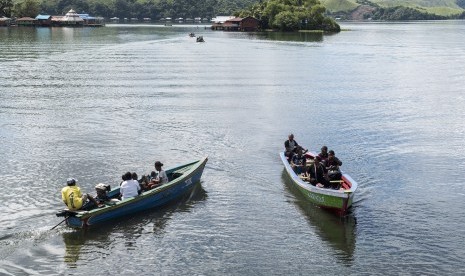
(94, 103)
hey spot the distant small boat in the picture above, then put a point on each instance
(200, 39)
(191, 35)
(182, 179)
(338, 201)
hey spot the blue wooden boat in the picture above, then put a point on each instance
(182, 180)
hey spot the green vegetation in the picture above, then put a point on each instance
(438, 7)
(29, 8)
(154, 9)
(291, 15)
(6, 7)
(339, 5)
(403, 13)
(278, 14)
(395, 9)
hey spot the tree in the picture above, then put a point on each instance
(291, 15)
(286, 21)
(27, 8)
(6, 7)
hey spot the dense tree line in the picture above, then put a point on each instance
(291, 15)
(403, 13)
(154, 9)
(5, 7)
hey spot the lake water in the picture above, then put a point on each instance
(93, 103)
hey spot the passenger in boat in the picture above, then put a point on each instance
(161, 177)
(153, 175)
(324, 153)
(74, 199)
(129, 187)
(332, 166)
(142, 182)
(333, 162)
(123, 178)
(102, 190)
(317, 173)
(290, 146)
(298, 162)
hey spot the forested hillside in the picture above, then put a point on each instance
(156, 9)
(395, 9)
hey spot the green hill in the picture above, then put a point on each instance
(439, 7)
(340, 5)
(446, 8)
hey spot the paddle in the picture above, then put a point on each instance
(59, 223)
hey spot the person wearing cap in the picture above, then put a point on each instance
(317, 173)
(73, 198)
(161, 177)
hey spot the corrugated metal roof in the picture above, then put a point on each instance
(221, 19)
(43, 17)
(25, 19)
(237, 19)
(86, 16)
(72, 16)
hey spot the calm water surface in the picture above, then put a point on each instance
(95, 103)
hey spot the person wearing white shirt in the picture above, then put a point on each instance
(161, 177)
(129, 187)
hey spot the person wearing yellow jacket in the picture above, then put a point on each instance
(72, 196)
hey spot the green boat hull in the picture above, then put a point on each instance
(327, 201)
(338, 201)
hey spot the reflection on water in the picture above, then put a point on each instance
(288, 36)
(130, 228)
(338, 232)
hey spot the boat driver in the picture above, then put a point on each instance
(73, 198)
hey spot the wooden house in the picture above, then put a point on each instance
(249, 24)
(5, 21)
(25, 21)
(238, 24)
(92, 21)
(44, 20)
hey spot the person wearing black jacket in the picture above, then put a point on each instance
(317, 173)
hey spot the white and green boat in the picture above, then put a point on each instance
(338, 201)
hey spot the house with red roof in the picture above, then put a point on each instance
(238, 24)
